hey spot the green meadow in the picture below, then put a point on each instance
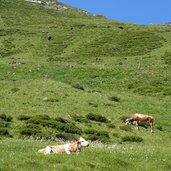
(66, 74)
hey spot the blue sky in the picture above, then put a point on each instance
(132, 11)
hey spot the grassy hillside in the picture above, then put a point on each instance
(66, 74)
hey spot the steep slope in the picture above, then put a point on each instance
(78, 38)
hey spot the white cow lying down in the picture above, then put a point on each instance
(66, 148)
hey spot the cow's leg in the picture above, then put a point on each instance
(151, 125)
(48, 150)
(136, 124)
(67, 151)
(66, 148)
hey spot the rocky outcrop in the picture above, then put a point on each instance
(50, 4)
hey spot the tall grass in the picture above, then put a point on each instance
(22, 155)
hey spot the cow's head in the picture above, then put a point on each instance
(83, 142)
(127, 121)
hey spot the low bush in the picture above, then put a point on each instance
(98, 138)
(114, 99)
(67, 136)
(59, 123)
(98, 133)
(4, 124)
(93, 104)
(167, 91)
(62, 120)
(4, 132)
(53, 100)
(39, 119)
(78, 86)
(160, 128)
(167, 58)
(69, 128)
(42, 117)
(111, 125)
(23, 117)
(95, 135)
(132, 139)
(115, 135)
(44, 123)
(95, 117)
(79, 118)
(4, 117)
(90, 131)
(30, 130)
(102, 134)
(14, 90)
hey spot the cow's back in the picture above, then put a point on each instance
(59, 148)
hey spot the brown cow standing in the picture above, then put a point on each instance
(137, 119)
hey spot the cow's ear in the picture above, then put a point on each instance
(78, 144)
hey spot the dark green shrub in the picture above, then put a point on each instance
(98, 138)
(34, 121)
(78, 86)
(39, 119)
(69, 128)
(95, 117)
(115, 135)
(167, 58)
(108, 104)
(30, 130)
(67, 136)
(126, 128)
(23, 117)
(52, 100)
(167, 92)
(62, 120)
(160, 128)
(43, 117)
(79, 118)
(4, 117)
(61, 124)
(132, 139)
(90, 131)
(4, 124)
(44, 123)
(102, 134)
(4, 132)
(92, 104)
(14, 90)
(33, 126)
(95, 135)
(51, 123)
(111, 125)
(114, 99)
